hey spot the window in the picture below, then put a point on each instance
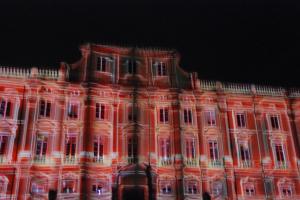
(70, 148)
(161, 69)
(164, 115)
(41, 147)
(210, 118)
(131, 66)
(98, 188)
(190, 148)
(187, 116)
(245, 155)
(274, 122)
(249, 190)
(37, 187)
(101, 64)
(73, 110)
(100, 111)
(3, 185)
(5, 108)
(217, 188)
(191, 187)
(280, 156)
(45, 108)
(68, 186)
(132, 149)
(165, 187)
(165, 151)
(3, 144)
(286, 190)
(241, 120)
(213, 150)
(132, 114)
(98, 149)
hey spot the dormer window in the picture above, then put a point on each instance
(101, 64)
(131, 66)
(45, 108)
(5, 108)
(161, 69)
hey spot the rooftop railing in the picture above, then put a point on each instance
(19, 72)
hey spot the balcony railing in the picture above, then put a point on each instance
(98, 160)
(70, 160)
(215, 164)
(281, 165)
(191, 162)
(165, 161)
(245, 163)
(40, 159)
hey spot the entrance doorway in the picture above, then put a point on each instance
(135, 192)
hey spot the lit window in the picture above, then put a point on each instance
(241, 120)
(3, 144)
(164, 115)
(100, 111)
(73, 110)
(274, 122)
(191, 187)
(210, 118)
(45, 108)
(5, 108)
(286, 190)
(41, 147)
(132, 149)
(101, 64)
(68, 186)
(187, 116)
(249, 190)
(213, 150)
(131, 66)
(161, 69)
(98, 149)
(165, 187)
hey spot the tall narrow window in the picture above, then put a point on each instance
(190, 149)
(132, 114)
(98, 149)
(132, 149)
(164, 115)
(73, 110)
(5, 107)
(245, 155)
(41, 148)
(217, 188)
(241, 120)
(165, 151)
(213, 150)
(101, 64)
(161, 69)
(131, 66)
(286, 190)
(274, 122)
(70, 148)
(3, 144)
(280, 156)
(210, 118)
(45, 108)
(100, 111)
(187, 115)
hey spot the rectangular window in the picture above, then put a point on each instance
(249, 190)
(286, 190)
(5, 107)
(98, 188)
(241, 120)
(164, 115)
(210, 118)
(187, 115)
(165, 147)
(132, 114)
(213, 150)
(161, 69)
(68, 186)
(73, 110)
(191, 187)
(70, 148)
(131, 64)
(190, 148)
(165, 187)
(244, 153)
(41, 147)
(45, 108)
(101, 64)
(98, 149)
(274, 122)
(3, 144)
(100, 111)
(132, 149)
(279, 153)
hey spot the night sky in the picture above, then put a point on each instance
(237, 41)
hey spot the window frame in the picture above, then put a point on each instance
(100, 111)
(188, 116)
(47, 112)
(208, 122)
(164, 115)
(161, 68)
(6, 107)
(101, 63)
(278, 122)
(73, 107)
(243, 123)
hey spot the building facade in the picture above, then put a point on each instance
(129, 123)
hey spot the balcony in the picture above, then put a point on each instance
(98, 160)
(191, 162)
(70, 160)
(215, 164)
(245, 164)
(281, 165)
(165, 161)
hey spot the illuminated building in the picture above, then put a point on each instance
(124, 123)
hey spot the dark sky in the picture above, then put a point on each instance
(238, 41)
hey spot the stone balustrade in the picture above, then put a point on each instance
(19, 72)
